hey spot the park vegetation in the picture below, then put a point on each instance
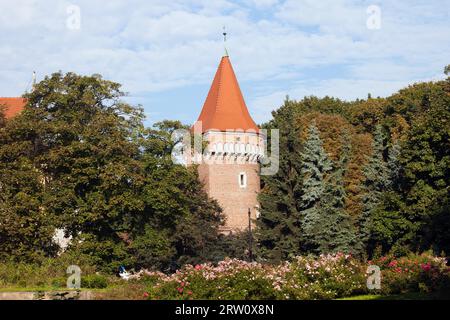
(367, 178)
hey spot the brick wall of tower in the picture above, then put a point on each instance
(227, 156)
(221, 182)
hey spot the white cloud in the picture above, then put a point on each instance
(336, 16)
(159, 46)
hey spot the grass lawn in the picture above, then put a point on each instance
(403, 296)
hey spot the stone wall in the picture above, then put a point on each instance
(47, 295)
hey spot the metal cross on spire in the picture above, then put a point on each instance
(225, 41)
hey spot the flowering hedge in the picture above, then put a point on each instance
(413, 273)
(324, 277)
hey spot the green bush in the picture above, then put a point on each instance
(60, 282)
(49, 272)
(94, 281)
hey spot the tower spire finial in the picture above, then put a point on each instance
(33, 81)
(225, 41)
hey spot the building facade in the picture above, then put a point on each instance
(229, 167)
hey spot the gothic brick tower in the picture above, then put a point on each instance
(230, 167)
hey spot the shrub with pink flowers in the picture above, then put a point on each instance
(413, 273)
(325, 277)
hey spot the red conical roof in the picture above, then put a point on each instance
(225, 108)
(13, 106)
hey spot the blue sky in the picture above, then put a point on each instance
(165, 53)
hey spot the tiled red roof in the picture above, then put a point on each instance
(225, 108)
(13, 106)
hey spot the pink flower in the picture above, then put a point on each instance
(393, 263)
(180, 290)
(426, 266)
(198, 267)
(145, 294)
(189, 292)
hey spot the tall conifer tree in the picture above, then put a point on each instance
(278, 231)
(393, 163)
(377, 179)
(338, 232)
(315, 164)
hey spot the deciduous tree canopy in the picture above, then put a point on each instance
(79, 159)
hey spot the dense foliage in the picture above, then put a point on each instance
(385, 163)
(79, 159)
(363, 177)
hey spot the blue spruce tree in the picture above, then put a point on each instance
(315, 165)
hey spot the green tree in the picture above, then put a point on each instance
(175, 204)
(336, 230)
(425, 160)
(75, 134)
(152, 249)
(78, 158)
(278, 232)
(393, 164)
(315, 165)
(376, 180)
(382, 222)
(26, 229)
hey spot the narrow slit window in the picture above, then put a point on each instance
(242, 180)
